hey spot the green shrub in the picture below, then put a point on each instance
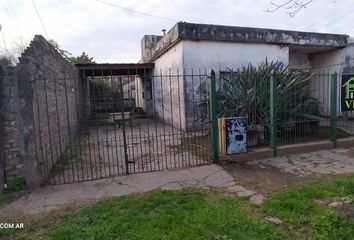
(246, 93)
(16, 183)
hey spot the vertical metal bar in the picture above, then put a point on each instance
(123, 128)
(213, 118)
(171, 111)
(48, 125)
(98, 102)
(114, 104)
(88, 87)
(78, 117)
(180, 116)
(333, 108)
(68, 122)
(37, 132)
(163, 119)
(273, 126)
(156, 142)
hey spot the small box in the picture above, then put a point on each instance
(232, 135)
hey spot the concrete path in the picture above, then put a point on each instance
(334, 161)
(49, 198)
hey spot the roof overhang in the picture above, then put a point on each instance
(114, 69)
(206, 32)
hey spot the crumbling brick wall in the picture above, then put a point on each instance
(41, 108)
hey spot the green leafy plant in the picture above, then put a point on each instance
(16, 183)
(246, 93)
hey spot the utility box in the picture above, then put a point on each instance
(232, 135)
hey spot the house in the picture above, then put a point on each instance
(190, 50)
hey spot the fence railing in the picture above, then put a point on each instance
(293, 113)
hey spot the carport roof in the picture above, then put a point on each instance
(114, 69)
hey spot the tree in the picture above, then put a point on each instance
(83, 58)
(292, 6)
(64, 53)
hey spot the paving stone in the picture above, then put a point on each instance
(245, 193)
(335, 204)
(236, 189)
(274, 220)
(257, 199)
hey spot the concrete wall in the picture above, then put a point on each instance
(323, 65)
(298, 60)
(143, 86)
(200, 57)
(221, 55)
(41, 113)
(167, 87)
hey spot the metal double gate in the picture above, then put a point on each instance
(117, 121)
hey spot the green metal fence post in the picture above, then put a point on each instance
(213, 118)
(333, 108)
(273, 121)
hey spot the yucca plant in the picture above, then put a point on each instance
(246, 93)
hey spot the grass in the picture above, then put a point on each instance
(184, 214)
(300, 209)
(5, 198)
(208, 214)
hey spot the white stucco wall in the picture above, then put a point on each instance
(298, 60)
(199, 57)
(168, 85)
(221, 55)
(323, 65)
(170, 60)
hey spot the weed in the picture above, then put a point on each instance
(16, 183)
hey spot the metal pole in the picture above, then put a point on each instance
(126, 158)
(333, 108)
(273, 118)
(213, 118)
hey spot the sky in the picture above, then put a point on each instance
(112, 34)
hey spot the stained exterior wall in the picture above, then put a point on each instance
(11, 134)
(42, 113)
(205, 47)
(203, 56)
(298, 60)
(168, 87)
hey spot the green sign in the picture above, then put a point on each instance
(347, 93)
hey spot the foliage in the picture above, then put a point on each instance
(83, 58)
(100, 88)
(246, 93)
(207, 214)
(16, 183)
(5, 61)
(64, 53)
(9, 55)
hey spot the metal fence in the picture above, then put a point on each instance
(99, 126)
(102, 125)
(284, 108)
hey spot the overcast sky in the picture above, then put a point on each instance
(111, 34)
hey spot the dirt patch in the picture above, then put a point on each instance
(262, 179)
(266, 179)
(348, 210)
